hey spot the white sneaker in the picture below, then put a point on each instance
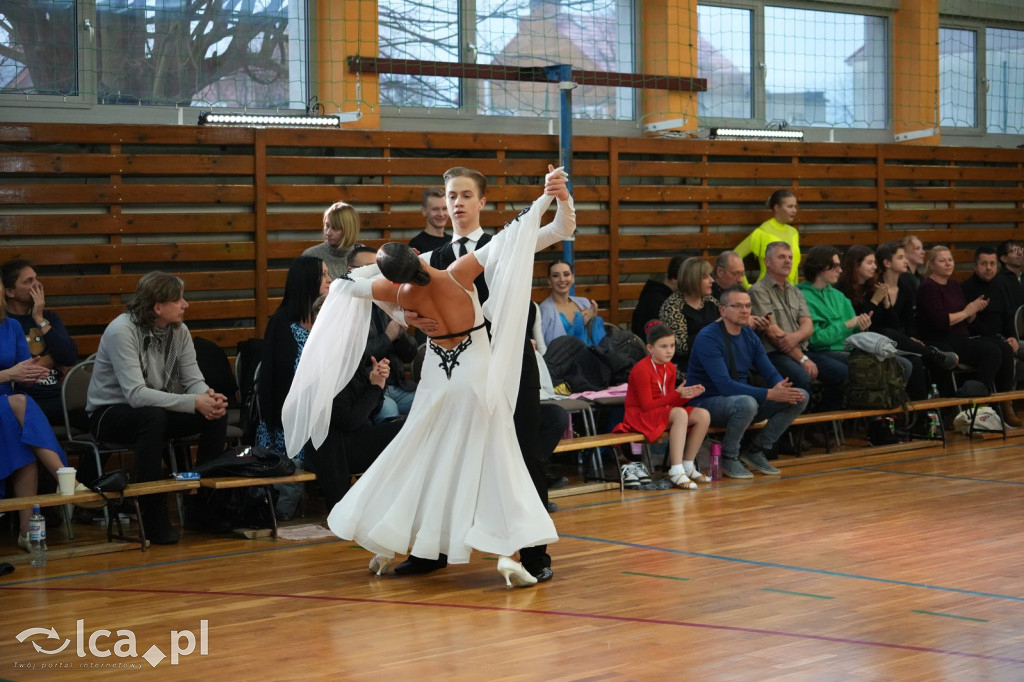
(641, 472)
(630, 480)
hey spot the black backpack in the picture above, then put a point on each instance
(569, 361)
(247, 460)
(875, 384)
(620, 350)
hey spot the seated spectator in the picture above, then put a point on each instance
(690, 308)
(1011, 255)
(885, 293)
(283, 340)
(47, 337)
(723, 357)
(943, 316)
(146, 389)
(996, 320)
(435, 212)
(654, 404)
(789, 329)
(832, 313)
(728, 272)
(654, 293)
(565, 315)
(916, 256)
(778, 228)
(354, 441)
(388, 339)
(25, 435)
(341, 230)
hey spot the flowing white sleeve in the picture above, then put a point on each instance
(508, 271)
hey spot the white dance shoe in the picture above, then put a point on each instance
(514, 573)
(381, 565)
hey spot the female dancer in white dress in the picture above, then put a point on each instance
(453, 480)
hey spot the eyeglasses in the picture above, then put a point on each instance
(738, 306)
(1015, 249)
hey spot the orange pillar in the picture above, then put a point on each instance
(669, 32)
(342, 29)
(915, 86)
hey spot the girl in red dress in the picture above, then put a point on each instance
(654, 404)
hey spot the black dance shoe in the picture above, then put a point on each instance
(415, 565)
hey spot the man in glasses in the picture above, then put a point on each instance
(1011, 255)
(724, 355)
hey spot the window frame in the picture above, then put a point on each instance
(454, 119)
(759, 67)
(86, 108)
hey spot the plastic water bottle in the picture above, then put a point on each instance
(716, 462)
(934, 392)
(37, 538)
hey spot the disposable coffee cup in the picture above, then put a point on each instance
(66, 480)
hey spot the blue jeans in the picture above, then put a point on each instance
(735, 413)
(833, 372)
(397, 401)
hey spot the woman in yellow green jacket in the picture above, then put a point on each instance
(778, 228)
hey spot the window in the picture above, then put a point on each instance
(593, 35)
(427, 31)
(818, 68)
(723, 58)
(244, 53)
(958, 78)
(1004, 73)
(825, 68)
(38, 48)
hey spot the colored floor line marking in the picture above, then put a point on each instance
(789, 477)
(943, 476)
(797, 594)
(788, 567)
(640, 498)
(541, 612)
(949, 615)
(654, 575)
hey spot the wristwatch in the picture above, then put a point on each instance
(804, 359)
(44, 324)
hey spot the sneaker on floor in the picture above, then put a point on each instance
(732, 468)
(642, 473)
(758, 462)
(630, 480)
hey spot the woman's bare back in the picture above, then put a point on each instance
(443, 300)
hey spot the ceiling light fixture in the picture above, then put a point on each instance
(755, 134)
(277, 120)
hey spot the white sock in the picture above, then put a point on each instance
(689, 467)
(675, 470)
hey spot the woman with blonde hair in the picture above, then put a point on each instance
(943, 314)
(341, 230)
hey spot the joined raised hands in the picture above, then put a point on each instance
(556, 183)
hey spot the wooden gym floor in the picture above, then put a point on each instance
(901, 566)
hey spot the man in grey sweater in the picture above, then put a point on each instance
(146, 389)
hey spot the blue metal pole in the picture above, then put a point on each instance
(562, 74)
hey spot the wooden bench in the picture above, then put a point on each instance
(937, 404)
(132, 492)
(264, 484)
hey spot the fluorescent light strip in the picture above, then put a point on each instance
(754, 134)
(269, 120)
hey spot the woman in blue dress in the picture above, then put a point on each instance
(25, 434)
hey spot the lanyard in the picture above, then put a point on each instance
(662, 376)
